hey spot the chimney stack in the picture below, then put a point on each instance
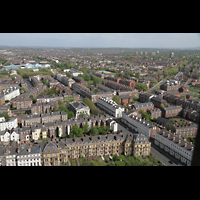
(179, 141)
(163, 132)
(174, 138)
(91, 138)
(169, 131)
(192, 148)
(74, 138)
(168, 135)
(186, 144)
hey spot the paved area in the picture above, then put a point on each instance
(159, 154)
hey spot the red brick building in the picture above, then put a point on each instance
(158, 102)
(22, 103)
(126, 99)
(183, 90)
(171, 111)
(144, 106)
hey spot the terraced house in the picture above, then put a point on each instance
(58, 152)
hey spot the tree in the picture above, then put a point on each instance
(94, 131)
(70, 114)
(116, 99)
(153, 82)
(95, 111)
(78, 132)
(82, 115)
(86, 128)
(140, 87)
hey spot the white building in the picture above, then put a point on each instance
(113, 125)
(28, 156)
(175, 146)
(11, 93)
(75, 72)
(9, 124)
(5, 136)
(138, 125)
(110, 106)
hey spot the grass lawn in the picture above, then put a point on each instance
(73, 162)
(193, 90)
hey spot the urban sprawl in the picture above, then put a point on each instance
(108, 107)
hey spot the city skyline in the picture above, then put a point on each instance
(102, 40)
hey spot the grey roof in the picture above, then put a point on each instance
(157, 99)
(176, 139)
(79, 105)
(51, 146)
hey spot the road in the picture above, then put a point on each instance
(157, 85)
(159, 154)
(28, 84)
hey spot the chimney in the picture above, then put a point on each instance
(18, 149)
(186, 144)
(190, 142)
(74, 138)
(100, 137)
(163, 132)
(91, 138)
(168, 135)
(174, 133)
(185, 139)
(174, 138)
(169, 131)
(192, 148)
(179, 141)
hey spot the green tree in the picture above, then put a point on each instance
(140, 87)
(153, 82)
(86, 128)
(78, 132)
(70, 114)
(68, 75)
(94, 131)
(116, 99)
(95, 111)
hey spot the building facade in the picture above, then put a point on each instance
(175, 146)
(79, 107)
(110, 107)
(139, 125)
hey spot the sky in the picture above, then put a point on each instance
(129, 40)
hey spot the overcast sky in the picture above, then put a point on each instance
(130, 40)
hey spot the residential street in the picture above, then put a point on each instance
(159, 154)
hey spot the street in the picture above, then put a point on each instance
(159, 154)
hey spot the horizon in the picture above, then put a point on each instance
(102, 40)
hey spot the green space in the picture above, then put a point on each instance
(86, 130)
(193, 89)
(25, 73)
(93, 109)
(120, 160)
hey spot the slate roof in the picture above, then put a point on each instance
(159, 100)
(50, 146)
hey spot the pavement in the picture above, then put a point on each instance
(28, 84)
(159, 154)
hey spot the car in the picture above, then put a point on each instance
(171, 162)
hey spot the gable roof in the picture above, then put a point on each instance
(50, 147)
